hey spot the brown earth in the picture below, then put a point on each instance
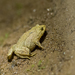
(58, 56)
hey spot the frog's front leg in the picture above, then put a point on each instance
(38, 44)
(23, 52)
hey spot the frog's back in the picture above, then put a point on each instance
(25, 36)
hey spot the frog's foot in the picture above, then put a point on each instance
(32, 54)
(23, 52)
(10, 52)
(9, 56)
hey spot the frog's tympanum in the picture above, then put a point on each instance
(27, 42)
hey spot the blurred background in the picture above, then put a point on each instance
(58, 56)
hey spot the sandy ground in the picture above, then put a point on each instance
(58, 56)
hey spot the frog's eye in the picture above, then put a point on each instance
(41, 28)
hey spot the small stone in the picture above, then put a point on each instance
(64, 53)
(48, 9)
(71, 56)
(34, 10)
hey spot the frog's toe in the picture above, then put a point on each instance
(32, 54)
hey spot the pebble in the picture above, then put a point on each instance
(34, 10)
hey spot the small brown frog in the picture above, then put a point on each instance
(27, 42)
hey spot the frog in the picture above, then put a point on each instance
(27, 42)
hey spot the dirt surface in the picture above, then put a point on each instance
(58, 56)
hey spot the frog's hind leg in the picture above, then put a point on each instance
(25, 56)
(23, 52)
(21, 56)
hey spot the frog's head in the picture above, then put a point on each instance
(40, 30)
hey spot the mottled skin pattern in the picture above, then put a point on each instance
(27, 42)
